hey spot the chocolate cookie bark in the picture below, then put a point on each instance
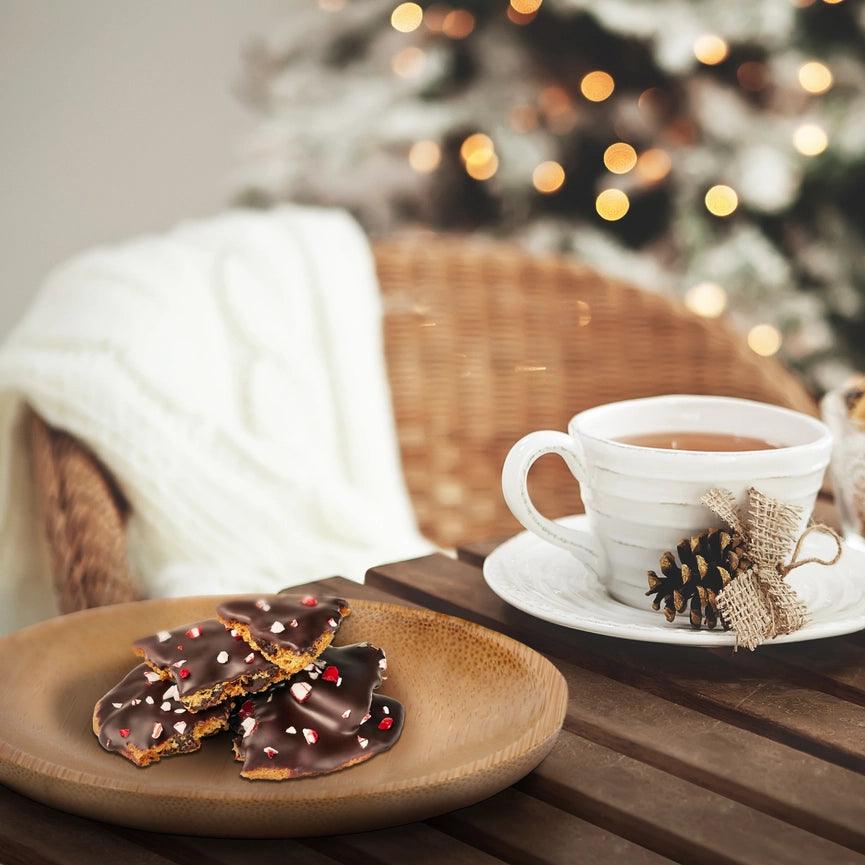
(142, 718)
(207, 663)
(291, 631)
(326, 718)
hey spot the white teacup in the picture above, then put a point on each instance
(641, 501)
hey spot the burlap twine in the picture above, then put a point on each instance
(759, 604)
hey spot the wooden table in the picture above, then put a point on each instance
(667, 754)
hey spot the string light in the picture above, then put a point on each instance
(482, 168)
(526, 7)
(710, 49)
(548, 177)
(810, 140)
(707, 299)
(653, 165)
(815, 77)
(612, 204)
(406, 17)
(425, 156)
(458, 24)
(832, 2)
(620, 158)
(764, 339)
(597, 86)
(477, 146)
(408, 62)
(721, 200)
(752, 75)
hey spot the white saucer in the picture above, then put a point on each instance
(550, 583)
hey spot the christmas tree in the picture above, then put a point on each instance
(714, 149)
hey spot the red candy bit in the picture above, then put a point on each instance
(246, 709)
(193, 633)
(183, 673)
(311, 736)
(271, 753)
(309, 601)
(385, 723)
(330, 674)
(124, 732)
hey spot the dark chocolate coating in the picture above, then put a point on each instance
(139, 718)
(312, 621)
(338, 741)
(202, 657)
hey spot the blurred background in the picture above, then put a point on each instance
(710, 149)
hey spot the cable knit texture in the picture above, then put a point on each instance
(231, 376)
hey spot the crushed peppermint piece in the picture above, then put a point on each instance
(179, 663)
(339, 681)
(171, 694)
(163, 636)
(385, 723)
(311, 736)
(382, 663)
(292, 623)
(270, 752)
(180, 726)
(183, 673)
(313, 674)
(148, 700)
(262, 605)
(151, 676)
(194, 633)
(333, 622)
(309, 667)
(135, 702)
(300, 691)
(234, 634)
(366, 717)
(330, 674)
(291, 730)
(250, 658)
(157, 730)
(117, 705)
(222, 657)
(166, 706)
(246, 709)
(346, 713)
(386, 710)
(309, 601)
(362, 742)
(124, 732)
(277, 628)
(247, 725)
(180, 711)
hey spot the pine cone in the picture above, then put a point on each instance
(707, 563)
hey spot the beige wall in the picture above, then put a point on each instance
(116, 117)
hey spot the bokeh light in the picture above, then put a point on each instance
(458, 23)
(478, 147)
(710, 49)
(810, 139)
(764, 339)
(707, 299)
(482, 166)
(526, 7)
(612, 204)
(653, 165)
(620, 158)
(434, 17)
(425, 156)
(408, 62)
(406, 17)
(721, 200)
(597, 86)
(753, 76)
(548, 177)
(815, 77)
(584, 313)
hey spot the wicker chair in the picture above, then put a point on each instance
(484, 343)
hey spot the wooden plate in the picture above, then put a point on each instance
(481, 711)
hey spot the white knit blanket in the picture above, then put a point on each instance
(231, 376)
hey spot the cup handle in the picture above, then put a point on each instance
(515, 474)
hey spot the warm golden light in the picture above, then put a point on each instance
(620, 158)
(764, 339)
(425, 156)
(548, 177)
(707, 299)
(815, 77)
(833, 2)
(752, 75)
(810, 140)
(584, 313)
(480, 166)
(458, 24)
(526, 7)
(406, 17)
(612, 204)
(597, 86)
(653, 165)
(478, 147)
(721, 200)
(710, 49)
(434, 17)
(518, 18)
(408, 62)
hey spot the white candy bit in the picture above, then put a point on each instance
(339, 681)
(366, 717)
(171, 694)
(269, 697)
(163, 636)
(250, 658)
(313, 674)
(166, 706)
(247, 725)
(135, 702)
(311, 736)
(179, 663)
(222, 657)
(386, 710)
(234, 633)
(277, 628)
(346, 713)
(148, 700)
(180, 711)
(362, 742)
(119, 705)
(262, 605)
(309, 667)
(292, 623)
(300, 691)
(270, 752)
(291, 730)
(151, 676)
(382, 663)
(333, 623)
(157, 730)
(180, 726)
(194, 633)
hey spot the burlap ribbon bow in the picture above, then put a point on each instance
(759, 604)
